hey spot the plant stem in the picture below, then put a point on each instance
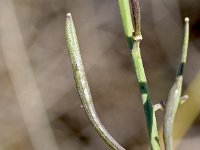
(146, 101)
(175, 93)
(138, 65)
(82, 85)
(125, 13)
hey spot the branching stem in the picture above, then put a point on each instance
(138, 65)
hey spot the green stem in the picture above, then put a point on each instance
(146, 101)
(82, 85)
(125, 13)
(138, 65)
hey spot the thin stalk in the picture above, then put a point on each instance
(139, 69)
(125, 13)
(175, 93)
(146, 101)
(82, 85)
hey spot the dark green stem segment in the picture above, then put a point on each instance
(145, 96)
(124, 6)
(175, 93)
(82, 85)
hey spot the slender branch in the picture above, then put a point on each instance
(82, 84)
(140, 73)
(141, 79)
(174, 99)
(147, 104)
(125, 13)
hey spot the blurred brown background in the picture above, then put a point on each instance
(39, 105)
